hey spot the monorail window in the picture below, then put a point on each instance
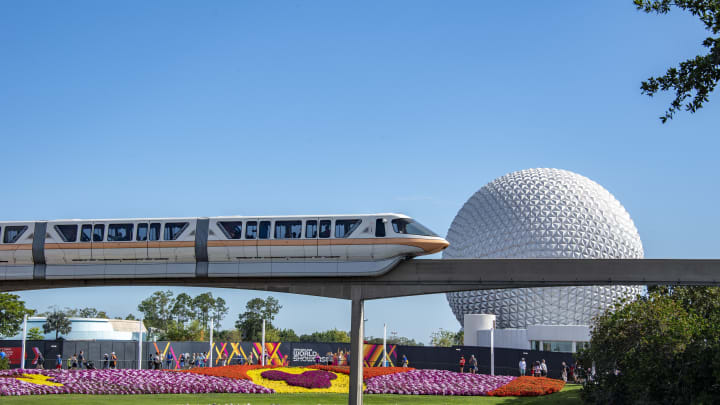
(154, 231)
(251, 230)
(264, 229)
(98, 233)
(86, 233)
(410, 227)
(380, 228)
(344, 227)
(233, 230)
(311, 229)
(68, 233)
(120, 232)
(173, 230)
(325, 227)
(142, 232)
(13, 233)
(288, 229)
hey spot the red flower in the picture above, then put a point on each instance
(528, 387)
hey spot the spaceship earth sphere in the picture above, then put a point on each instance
(542, 213)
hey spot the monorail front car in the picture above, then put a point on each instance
(337, 245)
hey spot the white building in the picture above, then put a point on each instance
(540, 213)
(92, 329)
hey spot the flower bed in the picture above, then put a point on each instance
(435, 382)
(236, 371)
(339, 384)
(268, 379)
(528, 387)
(368, 372)
(308, 379)
(39, 382)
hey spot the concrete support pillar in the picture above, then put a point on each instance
(357, 337)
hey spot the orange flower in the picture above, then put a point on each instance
(528, 387)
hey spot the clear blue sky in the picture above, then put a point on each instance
(155, 109)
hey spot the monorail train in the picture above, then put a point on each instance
(334, 245)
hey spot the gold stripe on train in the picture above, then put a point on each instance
(428, 245)
(21, 246)
(119, 245)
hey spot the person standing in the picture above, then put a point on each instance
(564, 372)
(462, 364)
(113, 361)
(106, 361)
(330, 359)
(473, 364)
(58, 362)
(81, 359)
(74, 361)
(317, 359)
(543, 369)
(405, 361)
(523, 366)
(41, 362)
(168, 359)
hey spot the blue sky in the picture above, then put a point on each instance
(153, 109)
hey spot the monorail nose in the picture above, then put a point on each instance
(434, 245)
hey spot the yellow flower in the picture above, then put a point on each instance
(38, 379)
(339, 385)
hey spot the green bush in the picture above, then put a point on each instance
(661, 348)
(4, 363)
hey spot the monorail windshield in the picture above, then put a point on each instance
(411, 227)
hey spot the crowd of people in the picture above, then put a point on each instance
(472, 364)
(185, 361)
(573, 373)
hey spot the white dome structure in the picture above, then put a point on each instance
(542, 213)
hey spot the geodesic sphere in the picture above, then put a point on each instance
(542, 213)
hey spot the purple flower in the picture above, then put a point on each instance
(121, 382)
(308, 379)
(435, 382)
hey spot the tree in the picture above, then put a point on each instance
(660, 348)
(219, 310)
(398, 340)
(57, 322)
(446, 338)
(12, 312)
(156, 309)
(695, 78)
(166, 316)
(88, 313)
(287, 335)
(130, 317)
(328, 336)
(179, 332)
(183, 308)
(229, 335)
(250, 322)
(35, 334)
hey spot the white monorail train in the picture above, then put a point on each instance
(335, 245)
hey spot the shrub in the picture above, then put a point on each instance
(661, 348)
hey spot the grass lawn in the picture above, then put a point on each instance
(570, 395)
